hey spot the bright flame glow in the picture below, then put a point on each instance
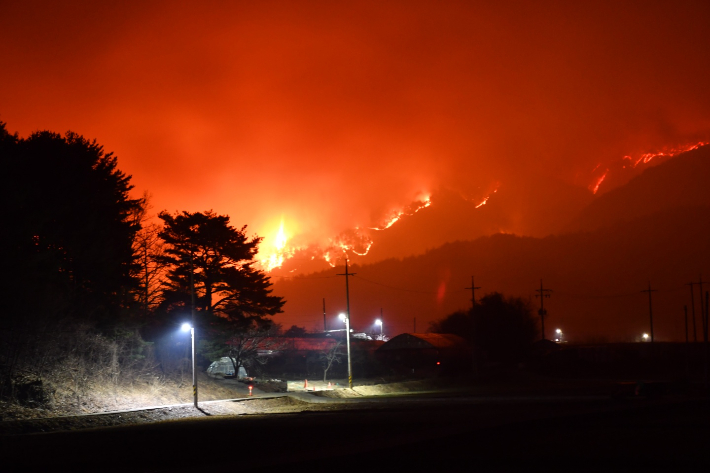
(645, 158)
(595, 187)
(413, 208)
(274, 255)
(281, 238)
(485, 201)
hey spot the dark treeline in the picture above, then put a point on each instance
(69, 230)
(82, 257)
(502, 328)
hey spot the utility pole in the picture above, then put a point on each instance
(473, 293)
(542, 294)
(703, 310)
(325, 325)
(347, 315)
(192, 313)
(650, 306)
(687, 344)
(705, 316)
(474, 364)
(692, 309)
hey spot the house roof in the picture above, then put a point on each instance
(423, 341)
(296, 343)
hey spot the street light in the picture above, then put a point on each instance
(346, 319)
(559, 335)
(645, 337)
(379, 322)
(185, 327)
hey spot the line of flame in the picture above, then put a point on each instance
(400, 213)
(595, 187)
(645, 158)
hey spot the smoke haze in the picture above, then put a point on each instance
(332, 116)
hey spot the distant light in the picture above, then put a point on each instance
(438, 362)
(645, 336)
(558, 331)
(185, 327)
(341, 316)
(378, 322)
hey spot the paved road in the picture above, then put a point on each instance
(418, 434)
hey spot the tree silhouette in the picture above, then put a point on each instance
(149, 270)
(219, 258)
(295, 331)
(67, 244)
(69, 228)
(503, 327)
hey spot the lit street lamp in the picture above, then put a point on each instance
(185, 327)
(346, 319)
(379, 322)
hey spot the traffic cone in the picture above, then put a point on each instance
(330, 385)
(305, 385)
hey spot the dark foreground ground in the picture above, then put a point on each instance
(425, 432)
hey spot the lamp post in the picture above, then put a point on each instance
(379, 322)
(346, 319)
(185, 327)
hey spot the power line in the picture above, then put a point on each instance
(595, 296)
(396, 288)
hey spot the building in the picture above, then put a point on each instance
(425, 353)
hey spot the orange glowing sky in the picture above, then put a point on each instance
(332, 115)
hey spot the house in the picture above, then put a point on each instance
(425, 353)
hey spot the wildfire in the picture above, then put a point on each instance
(645, 158)
(279, 252)
(595, 187)
(355, 240)
(411, 210)
(281, 238)
(485, 201)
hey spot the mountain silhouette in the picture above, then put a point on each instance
(679, 182)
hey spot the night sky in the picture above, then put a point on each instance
(333, 116)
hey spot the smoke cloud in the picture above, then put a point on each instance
(331, 116)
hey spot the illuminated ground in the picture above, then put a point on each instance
(565, 432)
